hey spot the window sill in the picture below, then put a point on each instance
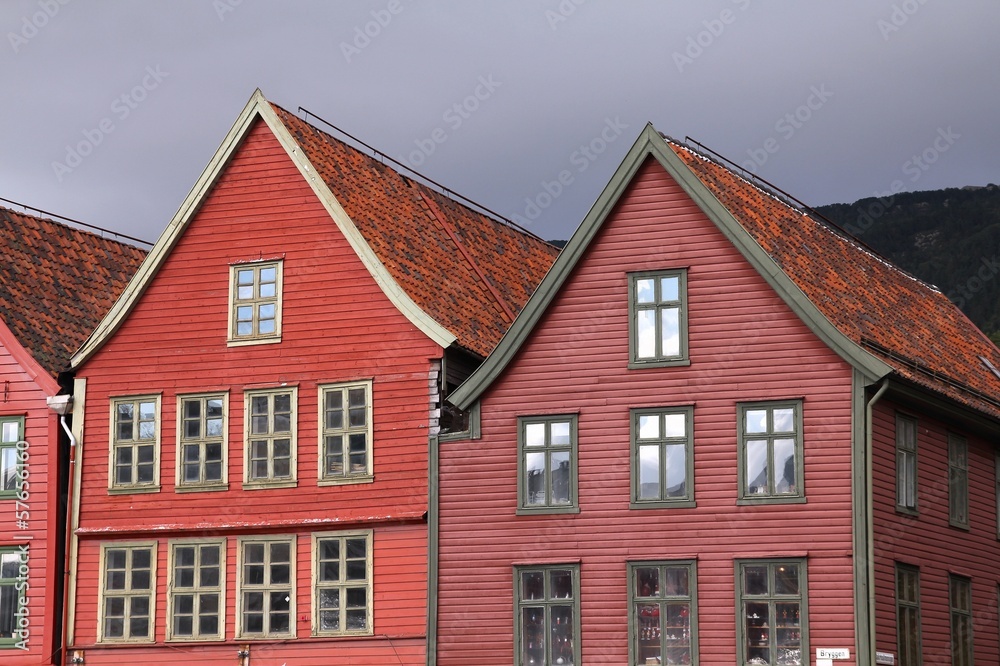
(664, 363)
(206, 488)
(662, 504)
(264, 485)
(546, 510)
(906, 511)
(959, 526)
(748, 501)
(236, 342)
(347, 481)
(133, 490)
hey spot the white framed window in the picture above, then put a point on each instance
(266, 587)
(342, 583)
(345, 442)
(203, 442)
(197, 590)
(128, 592)
(255, 302)
(135, 444)
(270, 444)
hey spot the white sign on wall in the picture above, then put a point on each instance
(885, 658)
(833, 653)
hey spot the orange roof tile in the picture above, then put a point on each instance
(472, 274)
(910, 325)
(56, 282)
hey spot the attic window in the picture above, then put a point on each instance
(992, 368)
(255, 302)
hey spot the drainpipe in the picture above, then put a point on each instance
(63, 405)
(870, 513)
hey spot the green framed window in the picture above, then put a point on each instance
(547, 615)
(770, 452)
(135, 444)
(255, 302)
(11, 456)
(662, 457)
(12, 599)
(772, 615)
(906, 463)
(658, 318)
(203, 442)
(547, 458)
(266, 590)
(663, 608)
(346, 432)
(196, 601)
(270, 451)
(960, 602)
(908, 639)
(958, 481)
(128, 585)
(342, 575)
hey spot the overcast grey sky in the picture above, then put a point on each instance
(831, 101)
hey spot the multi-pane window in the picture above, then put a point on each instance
(663, 604)
(342, 576)
(255, 297)
(908, 615)
(960, 594)
(197, 591)
(270, 443)
(346, 435)
(11, 432)
(202, 442)
(658, 318)
(547, 463)
(547, 622)
(958, 480)
(12, 598)
(770, 451)
(906, 463)
(128, 581)
(662, 456)
(135, 435)
(266, 595)
(772, 620)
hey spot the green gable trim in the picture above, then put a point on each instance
(651, 144)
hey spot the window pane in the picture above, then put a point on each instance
(645, 333)
(560, 477)
(784, 466)
(786, 579)
(534, 469)
(670, 340)
(756, 464)
(670, 288)
(560, 433)
(649, 426)
(534, 434)
(674, 425)
(649, 472)
(676, 583)
(676, 471)
(647, 582)
(11, 431)
(532, 635)
(756, 420)
(562, 584)
(755, 580)
(644, 291)
(532, 585)
(784, 419)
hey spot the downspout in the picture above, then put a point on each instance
(61, 405)
(870, 513)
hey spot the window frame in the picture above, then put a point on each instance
(772, 598)
(346, 477)
(547, 604)
(634, 600)
(958, 481)
(113, 444)
(242, 586)
(746, 498)
(902, 606)
(956, 613)
(905, 422)
(180, 485)
(173, 591)
(19, 453)
(663, 441)
(129, 547)
(22, 557)
(291, 481)
(573, 506)
(255, 338)
(658, 360)
(317, 586)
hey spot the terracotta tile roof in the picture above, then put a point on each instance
(469, 272)
(57, 282)
(907, 323)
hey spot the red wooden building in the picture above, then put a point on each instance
(56, 282)
(722, 431)
(253, 474)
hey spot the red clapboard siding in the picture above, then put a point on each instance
(337, 326)
(927, 540)
(745, 345)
